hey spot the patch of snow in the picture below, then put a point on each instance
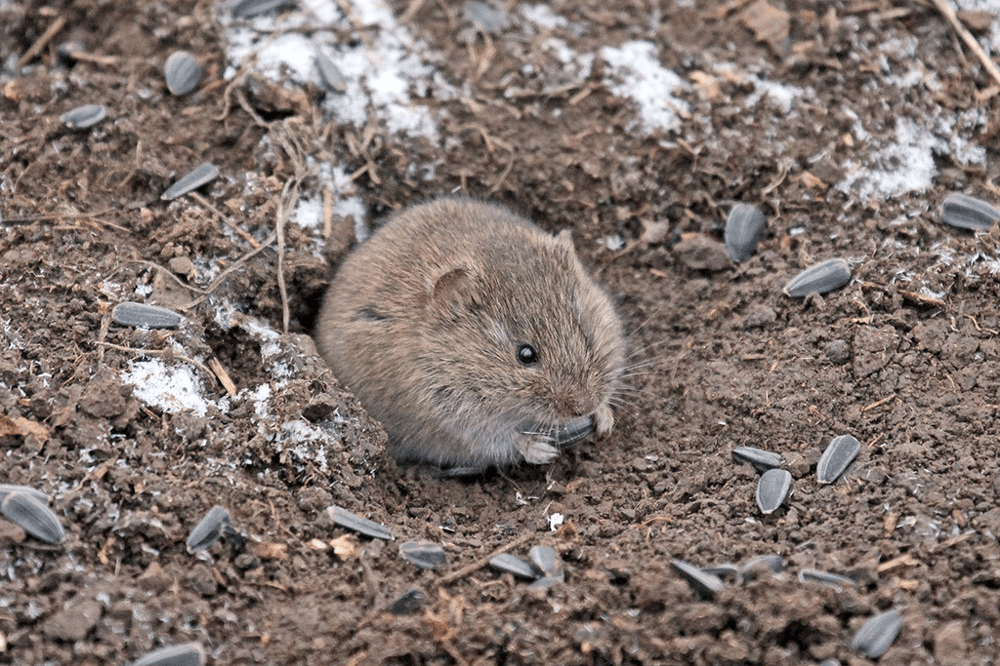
(173, 388)
(543, 17)
(635, 72)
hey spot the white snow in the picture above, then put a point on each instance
(172, 388)
(635, 72)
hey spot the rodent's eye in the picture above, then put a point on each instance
(527, 355)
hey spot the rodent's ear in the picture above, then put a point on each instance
(453, 287)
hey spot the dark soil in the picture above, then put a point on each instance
(906, 357)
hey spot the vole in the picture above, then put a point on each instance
(476, 338)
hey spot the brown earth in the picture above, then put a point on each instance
(905, 357)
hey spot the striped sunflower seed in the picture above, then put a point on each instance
(182, 72)
(965, 212)
(513, 564)
(760, 459)
(424, 554)
(140, 315)
(772, 489)
(877, 634)
(209, 529)
(84, 117)
(204, 173)
(821, 278)
(356, 523)
(838, 455)
(184, 654)
(705, 584)
(743, 227)
(33, 517)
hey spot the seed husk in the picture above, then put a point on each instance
(329, 73)
(760, 459)
(513, 564)
(965, 212)
(204, 173)
(547, 560)
(140, 315)
(725, 570)
(743, 227)
(771, 564)
(248, 8)
(8, 488)
(84, 117)
(33, 517)
(485, 17)
(182, 72)
(877, 634)
(352, 521)
(820, 278)
(184, 654)
(209, 529)
(827, 578)
(838, 455)
(772, 489)
(407, 603)
(424, 554)
(545, 582)
(706, 584)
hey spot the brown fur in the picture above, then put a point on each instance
(424, 321)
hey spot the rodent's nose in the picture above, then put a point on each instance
(572, 402)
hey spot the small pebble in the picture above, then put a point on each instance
(84, 117)
(354, 522)
(838, 455)
(877, 634)
(820, 278)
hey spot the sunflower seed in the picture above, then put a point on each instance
(329, 73)
(877, 634)
(423, 554)
(838, 455)
(33, 517)
(185, 654)
(208, 529)
(965, 212)
(407, 603)
(706, 584)
(574, 431)
(488, 19)
(513, 564)
(821, 278)
(248, 8)
(182, 72)
(545, 582)
(760, 459)
(8, 488)
(140, 315)
(84, 117)
(354, 522)
(743, 227)
(772, 489)
(725, 570)
(548, 561)
(834, 580)
(200, 175)
(770, 564)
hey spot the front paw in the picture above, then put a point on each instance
(604, 420)
(536, 449)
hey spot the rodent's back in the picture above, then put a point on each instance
(462, 327)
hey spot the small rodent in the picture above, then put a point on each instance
(476, 338)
